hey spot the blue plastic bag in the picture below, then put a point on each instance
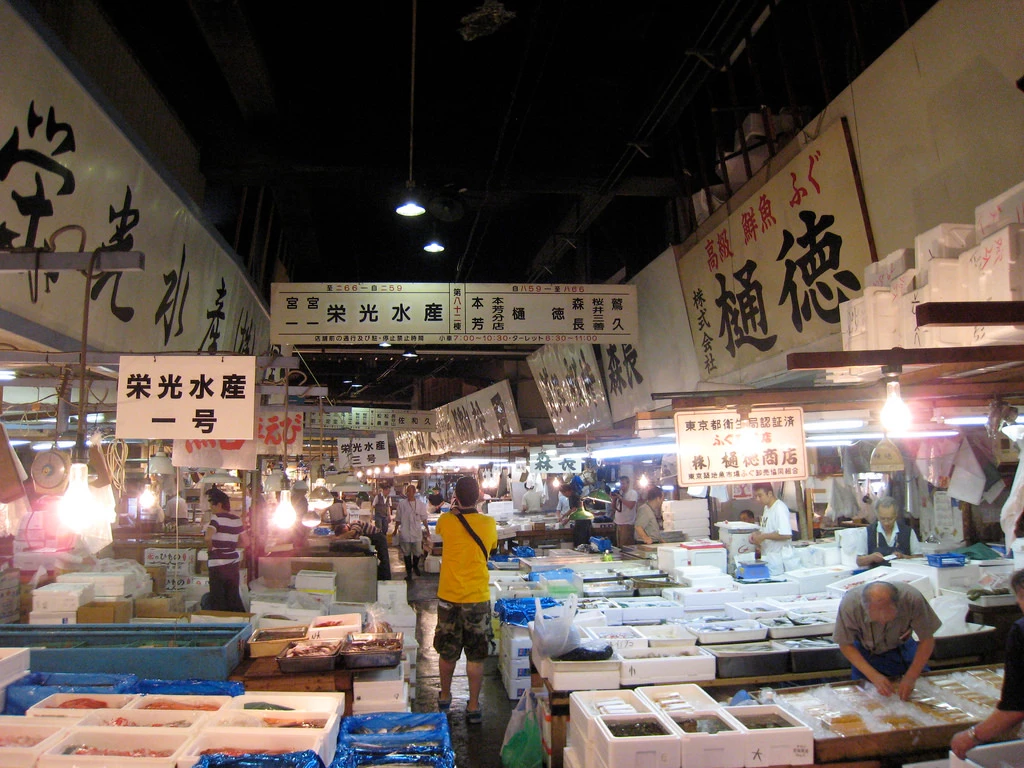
(306, 759)
(390, 733)
(520, 611)
(348, 759)
(600, 544)
(190, 687)
(523, 551)
(36, 686)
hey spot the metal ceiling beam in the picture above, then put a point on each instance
(112, 359)
(944, 314)
(897, 356)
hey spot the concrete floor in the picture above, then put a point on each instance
(476, 746)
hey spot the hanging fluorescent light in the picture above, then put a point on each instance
(60, 444)
(639, 448)
(895, 413)
(410, 353)
(834, 424)
(434, 246)
(972, 421)
(7, 375)
(384, 344)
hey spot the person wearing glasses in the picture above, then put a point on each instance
(889, 538)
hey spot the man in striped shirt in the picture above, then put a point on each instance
(223, 536)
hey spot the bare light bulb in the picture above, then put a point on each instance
(284, 515)
(895, 413)
(77, 509)
(147, 499)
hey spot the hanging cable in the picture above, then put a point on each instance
(412, 91)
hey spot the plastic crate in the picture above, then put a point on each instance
(947, 560)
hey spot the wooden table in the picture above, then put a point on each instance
(262, 674)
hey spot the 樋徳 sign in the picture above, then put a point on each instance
(167, 397)
(722, 448)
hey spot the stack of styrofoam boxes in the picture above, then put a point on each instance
(514, 660)
(872, 321)
(960, 578)
(276, 603)
(319, 583)
(109, 586)
(392, 599)
(993, 271)
(813, 580)
(584, 709)
(180, 565)
(410, 654)
(703, 576)
(10, 596)
(58, 603)
(936, 251)
(918, 580)
(690, 516)
(13, 665)
(701, 552)
(380, 690)
(335, 627)
(35, 736)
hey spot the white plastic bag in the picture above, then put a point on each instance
(952, 609)
(553, 637)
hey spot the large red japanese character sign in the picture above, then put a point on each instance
(771, 278)
(278, 435)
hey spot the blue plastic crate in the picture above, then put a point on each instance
(947, 560)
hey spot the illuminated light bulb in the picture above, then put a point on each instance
(359, 474)
(77, 508)
(643, 482)
(147, 499)
(895, 413)
(310, 518)
(284, 515)
(556, 483)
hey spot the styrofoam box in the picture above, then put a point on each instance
(256, 742)
(400, 704)
(334, 627)
(1007, 753)
(302, 702)
(647, 666)
(45, 732)
(145, 719)
(569, 758)
(728, 631)
(993, 271)
(702, 575)
(105, 583)
(808, 626)
(1005, 208)
(61, 597)
(392, 592)
(912, 337)
(50, 706)
(580, 675)
(514, 667)
(775, 746)
(379, 684)
(944, 241)
(884, 271)
(821, 554)
(319, 581)
(956, 577)
(753, 610)
(245, 721)
(647, 609)
(817, 602)
(120, 739)
(681, 697)
(515, 687)
(757, 590)
(13, 662)
(946, 283)
(725, 749)
(703, 598)
(159, 701)
(817, 579)
(870, 321)
(921, 582)
(53, 617)
(586, 706)
(623, 636)
(641, 751)
(667, 636)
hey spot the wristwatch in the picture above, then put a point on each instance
(973, 733)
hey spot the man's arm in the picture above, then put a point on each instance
(880, 681)
(921, 656)
(865, 560)
(758, 536)
(1000, 721)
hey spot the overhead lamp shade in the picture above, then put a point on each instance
(320, 498)
(410, 353)
(410, 208)
(433, 246)
(275, 482)
(160, 464)
(221, 478)
(300, 485)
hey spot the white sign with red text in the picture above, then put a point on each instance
(164, 397)
(722, 448)
(278, 433)
(214, 454)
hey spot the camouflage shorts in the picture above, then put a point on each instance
(463, 625)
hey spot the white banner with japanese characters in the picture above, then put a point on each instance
(722, 448)
(363, 452)
(371, 419)
(451, 313)
(67, 166)
(164, 397)
(487, 414)
(214, 454)
(279, 434)
(547, 459)
(568, 379)
(771, 278)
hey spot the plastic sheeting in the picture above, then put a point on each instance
(305, 759)
(398, 738)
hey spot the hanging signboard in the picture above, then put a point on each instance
(69, 167)
(277, 435)
(450, 313)
(487, 414)
(722, 448)
(771, 278)
(362, 452)
(569, 382)
(548, 459)
(214, 454)
(371, 419)
(163, 397)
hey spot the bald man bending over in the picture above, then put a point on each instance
(874, 631)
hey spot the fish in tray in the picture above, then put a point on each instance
(306, 650)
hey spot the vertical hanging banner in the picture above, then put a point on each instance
(772, 277)
(164, 397)
(363, 452)
(569, 382)
(214, 454)
(277, 435)
(722, 448)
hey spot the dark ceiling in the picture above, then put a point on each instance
(560, 143)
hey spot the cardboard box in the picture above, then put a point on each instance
(107, 612)
(158, 573)
(160, 606)
(10, 596)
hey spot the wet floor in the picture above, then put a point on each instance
(476, 746)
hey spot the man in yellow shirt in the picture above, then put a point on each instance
(463, 596)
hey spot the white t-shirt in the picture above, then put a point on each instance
(532, 501)
(563, 504)
(625, 515)
(775, 519)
